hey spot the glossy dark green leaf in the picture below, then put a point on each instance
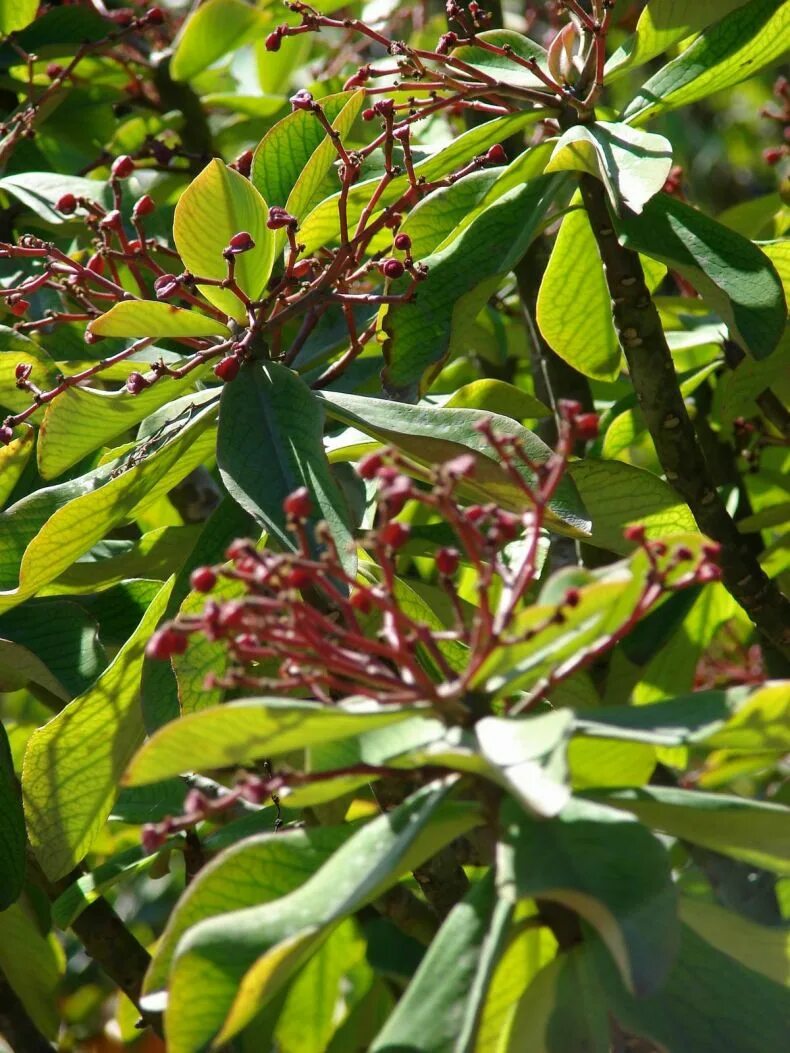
(437, 1012)
(615, 875)
(270, 443)
(732, 275)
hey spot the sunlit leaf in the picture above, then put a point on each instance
(211, 31)
(32, 963)
(137, 318)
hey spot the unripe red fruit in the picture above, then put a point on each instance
(496, 155)
(273, 41)
(122, 167)
(395, 535)
(635, 533)
(6, 434)
(302, 100)
(135, 383)
(402, 242)
(586, 425)
(144, 206)
(447, 560)
(165, 643)
(369, 466)
(203, 579)
(54, 70)
(392, 268)
(154, 16)
(19, 307)
(165, 286)
(368, 114)
(66, 204)
(298, 505)
(227, 368)
(241, 242)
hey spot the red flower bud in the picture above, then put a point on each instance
(54, 70)
(572, 597)
(369, 466)
(23, 371)
(569, 409)
(303, 269)
(391, 268)
(66, 204)
(273, 40)
(203, 579)
(360, 600)
(586, 425)
(393, 221)
(241, 242)
(243, 163)
(358, 79)
(368, 114)
(165, 286)
(154, 16)
(18, 307)
(446, 42)
(144, 206)
(395, 535)
(112, 221)
(6, 434)
(402, 242)
(495, 155)
(297, 578)
(227, 368)
(165, 643)
(474, 513)
(298, 505)
(136, 382)
(384, 107)
(447, 560)
(122, 167)
(95, 264)
(683, 554)
(635, 533)
(302, 100)
(280, 218)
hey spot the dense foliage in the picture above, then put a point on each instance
(394, 454)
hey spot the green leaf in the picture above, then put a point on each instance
(43, 534)
(502, 67)
(270, 443)
(664, 22)
(211, 31)
(497, 396)
(39, 191)
(709, 1003)
(323, 224)
(732, 275)
(13, 461)
(616, 875)
(754, 831)
(33, 966)
(618, 494)
(632, 165)
(74, 763)
(419, 331)
(528, 756)
(16, 348)
(439, 215)
(255, 871)
(752, 36)
(216, 205)
(247, 730)
(763, 949)
(12, 829)
(149, 318)
(437, 1011)
(431, 435)
(84, 419)
(16, 14)
(235, 963)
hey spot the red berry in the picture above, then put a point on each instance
(297, 578)
(54, 70)
(587, 426)
(203, 579)
(165, 286)
(19, 307)
(280, 218)
(274, 40)
(395, 535)
(392, 268)
(144, 206)
(636, 533)
(227, 368)
(165, 643)
(122, 167)
(66, 204)
(298, 505)
(475, 513)
(241, 242)
(302, 100)
(135, 383)
(368, 114)
(6, 434)
(155, 16)
(369, 466)
(572, 597)
(496, 155)
(402, 242)
(447, 560)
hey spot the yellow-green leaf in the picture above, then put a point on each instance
(761, 948)
(211, 31)
(138, 318)
(216, 205)
(13, 459)
(16, 14)
(33, 965)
